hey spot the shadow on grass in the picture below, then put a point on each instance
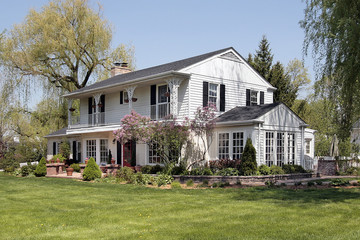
(313, 196)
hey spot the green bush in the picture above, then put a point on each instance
(200, 171)
(275, 170)
(175, 185)
(59, 156)
(25, 170)
(339, 182)
(163, 179)
(157, 169)
(146, 169)
(40, 170)
(214, 185)
(141, 179)
(178, 170)
(310, 183)
(270, 183)
(297, 183)
(190, 183)
(228, 172)
(125, 174)
(65, 149)
(353, 171)
(264, 170)
(292, 168)
(91, 171)
(248, 159)
(76, 167)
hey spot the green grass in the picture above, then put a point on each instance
(48, 208)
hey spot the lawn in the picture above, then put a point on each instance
(48, 208)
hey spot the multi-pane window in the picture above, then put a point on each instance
(307, 146)
(153, 156)
(291, 148)
(238, 144)
(213, 88)
(91, 149)
(280, 148)
(103, 150)
(126, 97)
(253, 98)
(224, 146)
(79, 151)
(269, 148)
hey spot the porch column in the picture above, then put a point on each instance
(98, 109)
(70, 101)
(174, 84)
(130, 92)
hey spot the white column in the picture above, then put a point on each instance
(98, 109)
(130, 92)
(174, 84)
(70, 101)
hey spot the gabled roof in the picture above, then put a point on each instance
(148, 72)
(246, 113)
(61, 132)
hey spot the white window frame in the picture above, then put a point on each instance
(228, 147)
(125, 97)
(269, 148)
(216, 103)
(231, 146)
(104, 152)
(239, 147)
(280, 148)
(90, 152)
(291, 148)
(151, 155)
(254, 102)
(307, 146)
(271, 151)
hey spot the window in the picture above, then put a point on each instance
(224, 146)
(280, 149)
(126, 98)
(307, 147)
(213, 93)
(160, 106)
(291, 148)
(103, 150)
(58, 147)
(269, 148)
(91, 149)
(238, 144)
(253, 98)
(153, 157)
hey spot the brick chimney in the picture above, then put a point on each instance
(119, 68)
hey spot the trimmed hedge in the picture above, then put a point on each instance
(91, 171)
(40, 170)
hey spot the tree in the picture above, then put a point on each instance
(298, 74)
(40, 170)
(248, 164)
(91, 171)
(332, 29)
(65, 44)
(263, 58)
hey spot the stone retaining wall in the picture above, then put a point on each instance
(243, 179)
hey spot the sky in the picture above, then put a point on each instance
(168, 30)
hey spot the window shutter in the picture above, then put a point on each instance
(102, 100)
(121, 97)
(168, 89)
(247, 97)
(152, 94)
(54, 148)
(222, 98)
(205, 94)
(74, 151)
(90, 105)
(261, 97)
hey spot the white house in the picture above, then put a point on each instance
(243, 97)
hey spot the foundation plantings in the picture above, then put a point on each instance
(91, 171)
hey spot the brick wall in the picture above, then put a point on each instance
(327, 167)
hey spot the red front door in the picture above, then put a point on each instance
(127, 154)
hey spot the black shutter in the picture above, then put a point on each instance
(261, 97)
(74, 151)
(90, 105)
(102, 101)
(168, 89)
(54, 148)
(205, 94)
(118, 152)
(247, 97)
(152, 94)
(121, 97)
(133, 153)
(222, 98)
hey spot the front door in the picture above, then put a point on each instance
(129, 154)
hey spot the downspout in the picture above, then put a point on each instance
(302, 147)
(259, 149)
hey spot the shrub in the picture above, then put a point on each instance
(178, 170)
(248, 159)
(238, 182)
(270, 183)
(125, 174)
(40, 170)
(292, 168)
(176, 185)
(297, 183)
(339, 182)
(274, 170)
(76, 167)
(91, 171)
(319, 182)
(146, 169)
(310, 183)
(205, 183)
(228, 172)
(140, 179)
(352, 171)
(299, 169)
(59, 156)
(190, 183)
(163, 179)
(201, 171)
(221, 184)
(218, 165)
(214, 185)
(264, 170)
(65, 149)
(156, 169)
(25, 170)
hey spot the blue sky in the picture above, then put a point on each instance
(164, 30)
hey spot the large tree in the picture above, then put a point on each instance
(262, 60)
(65, 43)
(332, 29)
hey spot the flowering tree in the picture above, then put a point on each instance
(203, 127)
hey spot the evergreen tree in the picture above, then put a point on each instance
(263, 58)
(40, 170)
(91, 171)
(248, 164)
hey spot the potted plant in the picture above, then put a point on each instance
(126, 100)
(52, 160)
(86, 160)
(112, 161)
(69, 171)
(57, 160)
(134, 99)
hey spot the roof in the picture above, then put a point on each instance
(168, 67)
(57, 133)
(246, 113)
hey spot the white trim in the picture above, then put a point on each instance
(230, 141)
